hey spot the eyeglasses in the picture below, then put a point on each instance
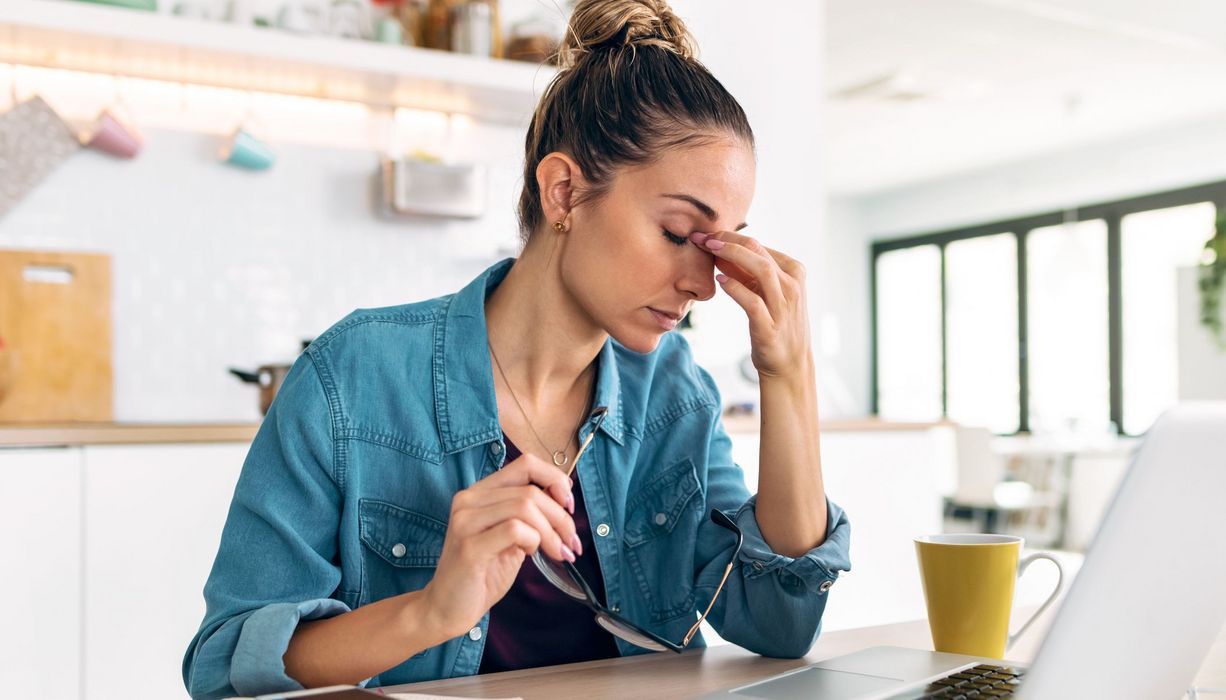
(566, 577)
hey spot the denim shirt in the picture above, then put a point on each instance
(344, 497)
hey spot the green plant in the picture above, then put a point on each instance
(1212, 281)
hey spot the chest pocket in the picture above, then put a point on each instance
(661, 528)
(401, 549)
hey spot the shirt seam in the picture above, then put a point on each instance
(327, 385)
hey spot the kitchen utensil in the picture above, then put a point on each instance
(34, 141)
(109, 135)
(472, 29)
(268, 378)
(246, 151)
(8, 368)
(389, 31)
(421, 188)
(55, 318)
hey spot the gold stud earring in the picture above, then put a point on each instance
(559, 226)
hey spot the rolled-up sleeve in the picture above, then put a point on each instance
(772, 604)
(275, 564)
(816, 570)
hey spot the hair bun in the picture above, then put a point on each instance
(597, 24)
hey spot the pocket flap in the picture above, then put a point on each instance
(401, 537)
(657, 508)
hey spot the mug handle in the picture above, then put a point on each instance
(1021, 569)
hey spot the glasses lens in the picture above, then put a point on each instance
(558, 575)
(628, 633)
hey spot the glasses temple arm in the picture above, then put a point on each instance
(693, 630)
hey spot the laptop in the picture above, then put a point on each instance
(1137, 621)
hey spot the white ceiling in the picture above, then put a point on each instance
(918, 89)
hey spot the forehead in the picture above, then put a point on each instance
(720, 174)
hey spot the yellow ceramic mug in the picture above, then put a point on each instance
(968, 584)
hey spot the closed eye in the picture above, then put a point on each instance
(675, 240)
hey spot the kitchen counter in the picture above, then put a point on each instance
(750, 424)
(75, 434)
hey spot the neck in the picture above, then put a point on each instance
(543, 340)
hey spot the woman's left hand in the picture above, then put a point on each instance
(770, 287)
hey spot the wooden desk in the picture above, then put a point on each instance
(694, 672)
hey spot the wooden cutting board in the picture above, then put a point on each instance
(55, 319)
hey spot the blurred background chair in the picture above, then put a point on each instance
(1022, 494)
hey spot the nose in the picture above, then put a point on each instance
(697, 278)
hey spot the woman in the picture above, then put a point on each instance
(417, 456)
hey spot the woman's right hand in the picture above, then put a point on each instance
(494, 525)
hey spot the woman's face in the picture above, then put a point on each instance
(627, 260)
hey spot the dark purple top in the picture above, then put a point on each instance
(535, 624)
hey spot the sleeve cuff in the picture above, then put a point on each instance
(814, 571)
(258, 666)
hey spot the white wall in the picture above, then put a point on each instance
(216, 267)
(1202, 362)
(1189, 154)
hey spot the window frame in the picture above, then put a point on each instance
(1112, 212)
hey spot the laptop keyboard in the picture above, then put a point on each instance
(982, 682)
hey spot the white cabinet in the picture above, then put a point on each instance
(153, 520)
(40, 573)
(105, 551)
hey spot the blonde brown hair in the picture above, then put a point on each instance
(629, 88)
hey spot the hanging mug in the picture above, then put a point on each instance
(246, 151)
(109, 135)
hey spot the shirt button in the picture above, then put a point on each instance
(496, 448)
(825, 586)
(661, 518)
(398, 550)
(474, 633)
(602, 530)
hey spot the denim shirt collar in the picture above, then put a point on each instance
(464, 396)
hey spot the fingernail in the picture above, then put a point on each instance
(721, 278)
(575, 544)
(699, 237)
(572, 482)
(713, 244)
(567, 554)
(570, 503)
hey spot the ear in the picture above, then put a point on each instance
(559, 178)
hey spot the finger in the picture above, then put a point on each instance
(529, 469)
(509, 533)
(753, 304)
(757, 262)
(473, 522)
(787, 264)
(483, 509)
(735, 272)
(790, 266)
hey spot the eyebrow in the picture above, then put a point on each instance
(703, 207)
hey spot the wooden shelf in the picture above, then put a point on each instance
(117, 41)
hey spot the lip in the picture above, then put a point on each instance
(666, 320)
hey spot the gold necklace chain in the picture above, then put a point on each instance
(560, 458)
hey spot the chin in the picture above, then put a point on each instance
(637, 339)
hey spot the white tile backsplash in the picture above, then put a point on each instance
(216, 267)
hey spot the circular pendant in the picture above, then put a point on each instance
(560, 458)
